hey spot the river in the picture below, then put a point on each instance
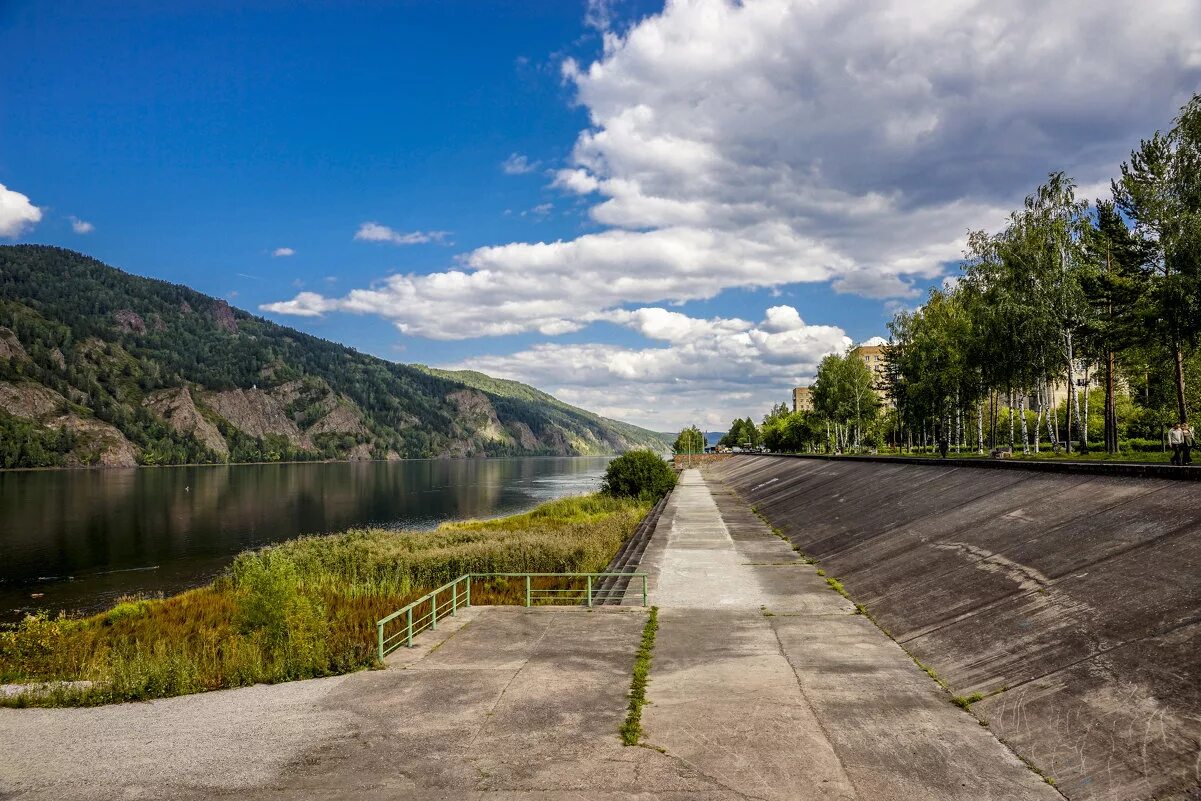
(77, 540)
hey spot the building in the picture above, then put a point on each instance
(873, 356)
(802, 399)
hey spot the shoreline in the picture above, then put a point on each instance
(100, 467)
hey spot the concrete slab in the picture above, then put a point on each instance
(765, 680)
(1074, 597)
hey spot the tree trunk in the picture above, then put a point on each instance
(1038, 420)
(1052, 421)
(1067, 341)
(1181, 409)
(1022, 415)
(1086, 401)
(1010, 410)
(980, 426)
(1111, 411)
(958, 423)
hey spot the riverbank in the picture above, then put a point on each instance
(300, 609)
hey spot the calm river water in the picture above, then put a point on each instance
(83, 538)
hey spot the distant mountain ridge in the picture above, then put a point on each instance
(98, 366)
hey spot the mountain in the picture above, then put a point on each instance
(98, 366)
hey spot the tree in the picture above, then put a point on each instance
(638, 474)
(843, 394)
(689, 441)
(1160, 190)
(1119, 292)
(742, 434)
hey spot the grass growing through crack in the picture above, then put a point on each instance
(631, 728)
(300, 609)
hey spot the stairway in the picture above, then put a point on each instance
(611, 590)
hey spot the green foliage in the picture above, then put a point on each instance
(742, 434)
(301, 609)
(844, 394)
(65, 309)
(690, 440)
(792, 432)
(631, 727)
(638, 474)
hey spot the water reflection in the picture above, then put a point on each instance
(82, 538)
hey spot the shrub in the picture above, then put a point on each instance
(299, 609)
(638, 474)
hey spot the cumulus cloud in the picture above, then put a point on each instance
(17, 214)
(280, 252)
(374, 232)
(706, 370)
(773, 142)
(81, 226)
(517, 164)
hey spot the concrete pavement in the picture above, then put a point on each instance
(765, 685)
(767, 681)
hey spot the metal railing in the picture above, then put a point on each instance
(423, 614)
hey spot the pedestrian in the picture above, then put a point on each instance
(1176, 442)
(1186, 448)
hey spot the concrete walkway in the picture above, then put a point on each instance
(767, 682)
(765, 685)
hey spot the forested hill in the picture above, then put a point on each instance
(101, 367)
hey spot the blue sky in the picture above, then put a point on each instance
(672, 227)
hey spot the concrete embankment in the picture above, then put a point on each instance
(1072, 602)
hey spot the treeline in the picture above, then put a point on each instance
(1066, 293)
(1077, 323)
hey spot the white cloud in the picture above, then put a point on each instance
(540, 211)
(280, 252)
(708, 371)
(17, 214)
(81, 226)
(374, 232)
(517, 164)
(773, 142)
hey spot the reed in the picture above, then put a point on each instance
(301, 609)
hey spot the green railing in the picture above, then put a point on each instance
(400, 627)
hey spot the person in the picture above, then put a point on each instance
(1186, 447)
(1176, 442)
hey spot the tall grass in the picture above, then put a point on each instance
(300, 609)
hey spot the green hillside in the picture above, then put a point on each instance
(503, 387)
(98, 366)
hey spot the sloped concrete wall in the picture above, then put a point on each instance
(1074, 600)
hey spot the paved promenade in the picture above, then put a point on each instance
(766, 681)
(765, 685)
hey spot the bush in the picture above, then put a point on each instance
(638, 474)
(300, 609)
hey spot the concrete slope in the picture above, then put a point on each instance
(768, 683)
(1072, 601)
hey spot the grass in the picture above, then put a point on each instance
(631, 728)
(301, 609)
(1096, 453)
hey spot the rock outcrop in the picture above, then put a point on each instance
(477, 411)
(98, 443)
(129, 320)
(10, 346)
(343, 419)
(177, 408)
(255, 412)
(31, 401)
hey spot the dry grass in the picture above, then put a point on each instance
(301, 609)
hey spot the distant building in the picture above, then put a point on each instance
(873, 357)
(802, 399)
